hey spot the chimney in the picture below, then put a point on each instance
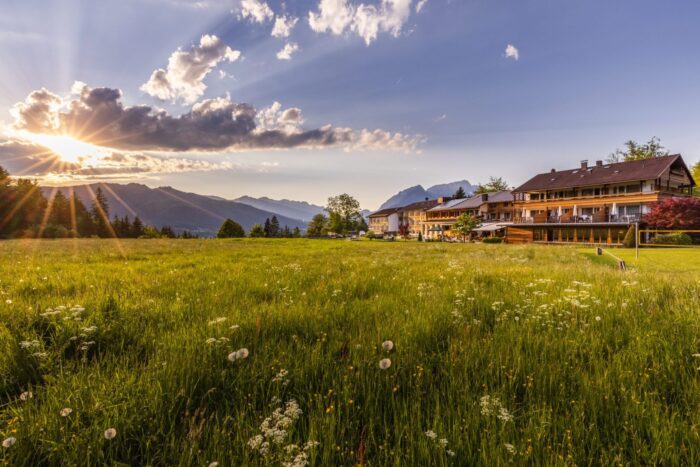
(599, 163)
(584, 164)
(552, 171)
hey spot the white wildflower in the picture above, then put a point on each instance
(510, 448)
(431, 434)
(238, 354)
(26, 395)
(387, 345)
(598, 318)
(9, 442)
(384, 363)
(66, 411)
(110, 433)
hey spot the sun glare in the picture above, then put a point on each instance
(67, 148)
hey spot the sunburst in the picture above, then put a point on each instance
(67, 148)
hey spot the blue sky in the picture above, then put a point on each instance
(588, 76)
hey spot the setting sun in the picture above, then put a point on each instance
(66, 147)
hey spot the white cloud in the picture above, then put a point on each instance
(420, 5)
(367, 21)
(512, 52)
(184, 77)
(283, 26)
(256, 11)
(287, 51)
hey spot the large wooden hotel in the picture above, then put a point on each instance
(592, 204)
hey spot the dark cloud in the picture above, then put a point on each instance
(99, 117)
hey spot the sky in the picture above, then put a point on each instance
(308, 99)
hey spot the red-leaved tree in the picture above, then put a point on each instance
(403, 231)
(675, 213)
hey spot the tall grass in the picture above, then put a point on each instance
(501, 354)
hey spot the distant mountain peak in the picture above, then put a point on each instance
(418, 193)
(294, 209)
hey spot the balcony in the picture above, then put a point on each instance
(582, 219)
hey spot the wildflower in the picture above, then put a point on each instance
(450, 453)
(504, 415)
(9, 302)
(238, 354)
(510, 448)
(213, 464)
(431, 434)
(110, 433)
(26, 395)
(598, 318)
(218, 320)
(443, 442)
(211, 340)
(9, 442)
(384, 363)
(387, 345)
(66, 411)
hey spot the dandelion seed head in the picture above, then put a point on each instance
(110, 433)
(387, 345)
(384, 363)
(9, 442)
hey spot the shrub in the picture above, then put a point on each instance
(629, 241)
(230, 229)
(492, 240)
(673, 239)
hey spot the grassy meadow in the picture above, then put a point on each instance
(275, 352)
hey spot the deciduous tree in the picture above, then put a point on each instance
(465, 224)
(230, 229)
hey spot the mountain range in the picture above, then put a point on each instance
(418, 193)
(201, 215)
(293, 209)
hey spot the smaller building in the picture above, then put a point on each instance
(384, 222)
(494, 210)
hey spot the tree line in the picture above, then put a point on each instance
(26, 213)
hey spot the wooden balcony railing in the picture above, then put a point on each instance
(583, 219)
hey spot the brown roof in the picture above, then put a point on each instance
(420, 205)
(384, 212)
(619, 172)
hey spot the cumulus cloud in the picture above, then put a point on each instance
(256, 11)
(283, 26)
(512, 52)
(99, 117)
(287, 51)
(367, 21)
(28, 159)
(184, 77)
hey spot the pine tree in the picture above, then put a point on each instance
(459, 194)
(296, 233)
(136, 228)
(274, 227)
(267, 228)
(100, 213)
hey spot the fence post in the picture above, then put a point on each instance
(636, 240)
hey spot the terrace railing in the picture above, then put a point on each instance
(582, 219)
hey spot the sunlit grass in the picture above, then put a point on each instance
(500, 353)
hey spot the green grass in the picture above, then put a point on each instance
(655, 260)
(581, 363)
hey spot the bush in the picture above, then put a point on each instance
(629, 241)
(492, 240)
(673, 239)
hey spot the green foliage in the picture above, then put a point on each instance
(459, 194)
(696, 176)
(465, 224)
(420, 236)
(492, 240)
(564, 360)
(344, 214)
(256, 231)
(318, 226)
(635, 151)
(230, 229)
(494, 184)
(675, 238)
(629, 241)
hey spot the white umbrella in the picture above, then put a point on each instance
(575, 210)
(613, 210)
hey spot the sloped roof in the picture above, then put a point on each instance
(619, 172)
(384, 212)
(475, 201)
(420, 205)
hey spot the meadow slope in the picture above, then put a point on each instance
(522, 354)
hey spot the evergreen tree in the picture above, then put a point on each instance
(136, 228)
(286, 233)
(84, 224)
(230, 229)
(274, 227)
(267, 228)
(167, 232)
(459, 194)
(60, 211)
(296, 233)
(100, 214)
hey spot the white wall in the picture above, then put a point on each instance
(393, 222)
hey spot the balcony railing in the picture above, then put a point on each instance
(657, 190)
(583, 219)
